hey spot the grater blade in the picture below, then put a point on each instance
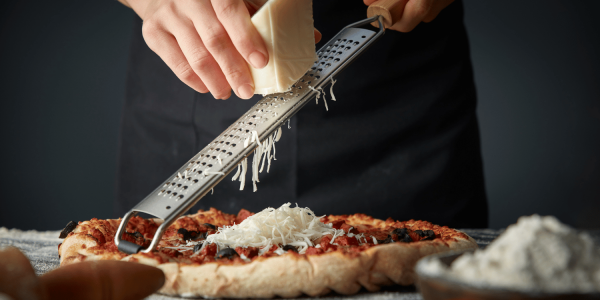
(207, 168)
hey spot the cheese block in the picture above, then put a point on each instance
(288, 31)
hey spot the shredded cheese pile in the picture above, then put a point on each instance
(285, 225)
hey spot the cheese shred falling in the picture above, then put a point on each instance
(262, 154)
(265, 151)
(285, 225)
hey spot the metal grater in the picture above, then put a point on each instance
(206, 169)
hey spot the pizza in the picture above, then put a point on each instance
(285, 251)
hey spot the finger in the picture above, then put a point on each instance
(369, 2)
(217, 42)
(414, 12)
(200, 60)
(436, 9)
(102, 280)
(318, 36)
(165, 45)
(235, 18)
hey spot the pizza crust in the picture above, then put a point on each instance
(288, 275)
(291, 275)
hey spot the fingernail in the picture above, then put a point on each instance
(226, 96)
(257, 60)
(245, 91)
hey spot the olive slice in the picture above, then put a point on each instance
(183, 232)
(226, 253)
(136, 235)
(70, 226)
(406, 239)
(197, 247)
(388, 240)
(290, 248)
(190, 235)
(211, 226)
(430, 235)
(399, 231)
(199, 236)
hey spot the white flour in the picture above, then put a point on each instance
(535, 254)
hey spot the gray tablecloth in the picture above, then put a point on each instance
(42, 249)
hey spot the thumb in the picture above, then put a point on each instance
(102, 280)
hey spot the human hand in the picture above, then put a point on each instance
(407, 14)
(85, 280)
(205, 43)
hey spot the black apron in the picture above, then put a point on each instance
(401, 141)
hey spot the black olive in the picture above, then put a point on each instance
(430, 235)
(136, 235)
(187, 235)
(406, 239)
(290, 248)
(226, 253)
(70, 226)
(211, 226)
(400, 232)
(197, 247)
(183, 232)
(388, 240)
(420, 233)
(199, 236)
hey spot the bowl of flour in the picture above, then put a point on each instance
(536, 258)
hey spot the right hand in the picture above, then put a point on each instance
(205, 43)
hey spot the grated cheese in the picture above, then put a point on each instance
(261, 154)
(331, 89)
(285, 225)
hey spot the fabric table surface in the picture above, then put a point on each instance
(41, 247)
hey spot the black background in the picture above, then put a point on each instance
(62, 78)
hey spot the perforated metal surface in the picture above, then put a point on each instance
(201, 173)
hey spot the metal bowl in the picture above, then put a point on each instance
(441, 287)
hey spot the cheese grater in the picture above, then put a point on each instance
(213, 163)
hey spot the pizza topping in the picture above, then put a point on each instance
(241, 216)
(228, 253)
(211, 226)
(285, 225)
(247, 252)
(388, 240)
(427, 235)
(314, 251)
(208, 250)
(70, 226)
(290, 248)
(401, 235)
(136, 235)
(191, 235)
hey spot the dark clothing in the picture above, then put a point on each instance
(402, 140)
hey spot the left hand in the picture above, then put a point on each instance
(413, 12)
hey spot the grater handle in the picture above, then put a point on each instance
(390, 10)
